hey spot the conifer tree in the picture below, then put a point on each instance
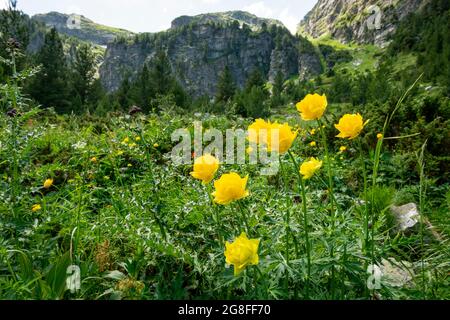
(226, 87)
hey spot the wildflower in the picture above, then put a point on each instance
(48, 183)
(205, 168)
(313, 132)
(36, 207)
(94, 159)
(312, 107)
(350, 126)
(119, 153)
(132, 145)
(343, 149)
(379, 136)
(309, 168)
(130, 165)
(313, 144)
(242, 253)
(156, 145)
(137, 139)
(230, 187)
(249, 150)
(259, 131)
(126, 140)
(285, 138)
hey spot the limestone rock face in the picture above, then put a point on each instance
(357, 20)
(200, 47)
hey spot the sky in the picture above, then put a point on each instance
(156, 15)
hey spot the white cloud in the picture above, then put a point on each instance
(3, 4)
(260, 9)
(289, 20)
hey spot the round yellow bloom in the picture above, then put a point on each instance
(205, 168)
(249, 150)
(343, 149)
(156, 145)
(242, 253)
(94, 159)
(137, 139)
(313, 144)
(120, 152)
(285, 138)
(132, 145)
(309, 168)
(230, 187)
(312, 107)
(259, 131)
(126, 140)
(313, 132)
(48, 183)
(36, 207)
(350, 126)
(379, 136)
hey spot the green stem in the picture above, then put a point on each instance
(366, 207)
(305, 222)
(333, 213)
(244, 217)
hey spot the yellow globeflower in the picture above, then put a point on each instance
(48, 183)
(286, 138)
(230, 187)
(36, 207)
(379, 136)
(241, 253)
(309, 168)
(205, 168)
(156, 145)
(313, 144)
(126, 140)
(259, 131)
(137, 139)
(343, 149)
(94, 159)
(350, 126)
(312, 107)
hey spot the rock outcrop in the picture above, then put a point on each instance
(200, 47)
(361, 21)
(81, 28)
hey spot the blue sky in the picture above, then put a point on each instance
(156, 15)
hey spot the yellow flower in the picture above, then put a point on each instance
(156, 145)
(285, 138)
(312, 107)
(379, 136)
(48, 183)
(36, 207)
(137, 139)
(249, 150)
(94, 159)
(259, 131)
(313, 144)
(130, 165)
(343, 149)
(126, 140)
(230, 187)
(241, 253)
(120, 152)
(313, 132)
(350, 126)
(132, 145)
(309, 168)
(205, 168)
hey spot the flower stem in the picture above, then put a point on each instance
(305, 222)
(333, 213)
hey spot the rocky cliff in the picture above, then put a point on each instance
(200, 47)
(81, 27)
(361, 21)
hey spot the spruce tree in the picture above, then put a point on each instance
(226, 86)
(84, 73)
(50, 87)
(277, 89)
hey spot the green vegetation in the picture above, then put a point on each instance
(87, 182)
